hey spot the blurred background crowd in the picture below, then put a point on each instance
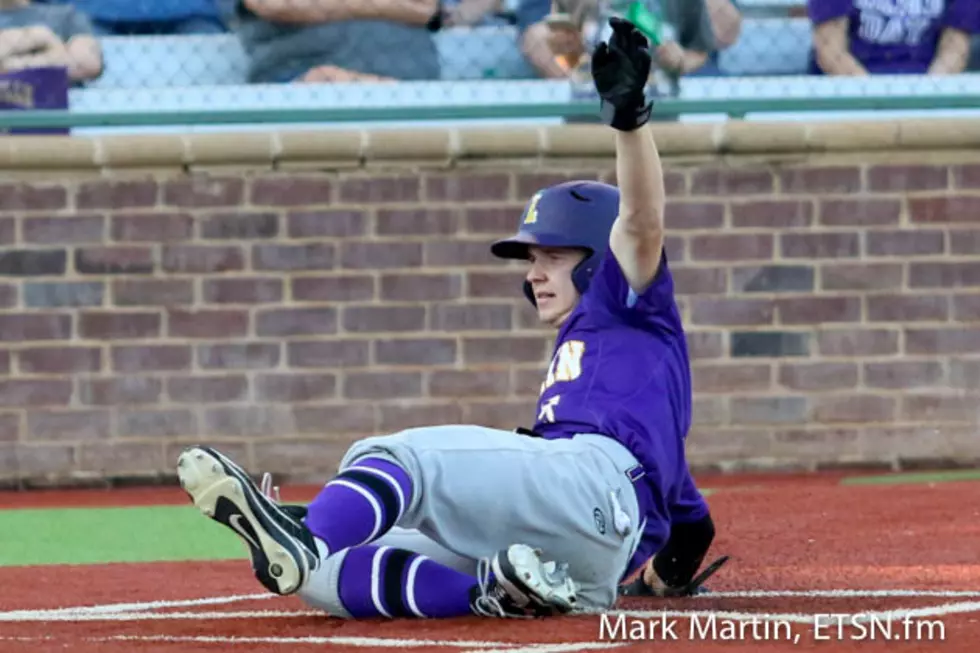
(323, 41)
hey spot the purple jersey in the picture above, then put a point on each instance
(620, 368)
(896, 36)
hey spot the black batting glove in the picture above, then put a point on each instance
(639, 588)
(620, 70)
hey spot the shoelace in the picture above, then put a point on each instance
(486, 603)
(268, 489)
(271, 492)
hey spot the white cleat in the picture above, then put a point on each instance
(282, 550)
(523, 585)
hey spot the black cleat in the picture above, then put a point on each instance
(522, 586)
(282, 550)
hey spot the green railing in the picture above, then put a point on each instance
(667, 108)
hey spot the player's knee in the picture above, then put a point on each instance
(358, 457)
(383, 447)
(369, 479)
(682, 556)
(399, 447)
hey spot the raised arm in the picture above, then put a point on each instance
(620, 70)
(638, 234)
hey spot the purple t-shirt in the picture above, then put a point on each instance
(620, 367)
(896, 36)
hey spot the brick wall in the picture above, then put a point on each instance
(277, 296)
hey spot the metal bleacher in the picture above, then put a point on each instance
(197, 73)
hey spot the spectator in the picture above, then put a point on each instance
(688, 34)
(726, 25)
(726, 22)
(335, 40)
(34, 36)
(533, 32)
(143, 17)
(862, 37)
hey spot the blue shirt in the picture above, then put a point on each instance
(142, 10)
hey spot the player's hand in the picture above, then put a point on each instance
(642, 585)
(620, 70)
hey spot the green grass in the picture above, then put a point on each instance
(46, 536)
(914, 477)
(99, 535)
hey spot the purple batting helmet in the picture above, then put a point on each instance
(576, 214)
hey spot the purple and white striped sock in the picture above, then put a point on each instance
(360, 504)
(379, 581)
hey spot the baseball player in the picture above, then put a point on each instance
(458, 520)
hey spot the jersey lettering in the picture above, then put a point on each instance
(892, 31)
(566, 364)
(547, 412)
(894, 22)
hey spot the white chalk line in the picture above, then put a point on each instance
(139, 607)
(568, 647)
(357, 642)
(156, 605)
(894, 614)
(485, 646)
(791, 617)
(143, 612)
(16, 615)
(132, 611)
(362, 642)
(155, 616)
(838, 594)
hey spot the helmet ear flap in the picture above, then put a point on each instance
(582, 273)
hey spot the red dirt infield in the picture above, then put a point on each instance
(906, 558)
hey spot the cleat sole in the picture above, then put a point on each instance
(207, 483)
